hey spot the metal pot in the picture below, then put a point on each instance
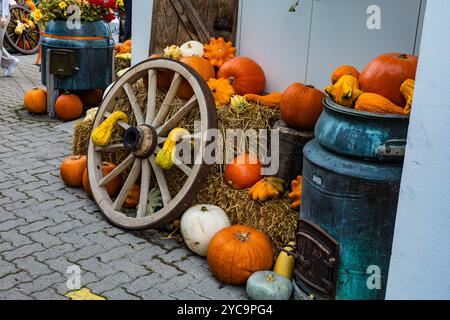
(362, 135)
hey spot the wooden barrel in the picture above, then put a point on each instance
(85, 55)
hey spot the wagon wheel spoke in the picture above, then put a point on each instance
(112, 147)
(161, 179)
(34, 32)
(17, 41)
(145, 188)
(151, 100)
(165, 129)
(165, 106)
(134, 104)
(129, 183)
(30, 38)
(123, 124)
(118, 170)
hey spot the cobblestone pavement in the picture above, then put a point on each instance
(46, 227)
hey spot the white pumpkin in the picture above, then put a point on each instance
(192, 49)
(200, 224)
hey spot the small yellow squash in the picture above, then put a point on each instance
(101, 136)
(166, 157)
(267, 188)
(407, 90)
(345, 92)
(285, 263)
(222, 91)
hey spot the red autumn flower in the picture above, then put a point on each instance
(109, 17)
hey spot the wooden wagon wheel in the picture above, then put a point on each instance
(28, 42)
(144, 140)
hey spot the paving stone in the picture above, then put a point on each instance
(33, 267)
(177, 284)
(85, 253)
(7, 268)
(14, 294)
(103, 240)
(47, 240)
(12, 280)
(11, 224)
(64, 227)
(144, 283)
(100, 269)
(187, 294)
(120, 294)
(54, 252)
(154, 294)
(110, 283)
(15, 238)
(48, 294)
(36, 226)
(209, 287)
(42, 283)
(23, 251)
(130, 268)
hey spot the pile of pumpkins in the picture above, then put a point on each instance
(237, 254)
(68, 106)
(385, 86)
(123, 50)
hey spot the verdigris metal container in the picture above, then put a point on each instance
(345, 234)
(81, 58)
(362, 135)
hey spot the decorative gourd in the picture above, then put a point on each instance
(91, 98)
(72, 169)
(345, 92)
(244, 74)
(407, 90)
(173, 52)
(371, 102)
(112, 188)
(200, 224)
(218, 51)
(222, 91)
(296, 195)
(90, 114)
(35, 100)
(344, 71)
(385, 75)
(243, 172)
(235, 253)
(239, 103)
(268, 286)
(124, 56)
(101, 136)
(271, 100)
(68, 107)
(192, 49)
(285, 263)
(133, 196)
(267, 188)
(203, 67)
(167, 156)
(128, 43)
(301, 106)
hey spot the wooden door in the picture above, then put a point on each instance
(178, 21)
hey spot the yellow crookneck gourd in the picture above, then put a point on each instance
(345, 92)
(267, 188)
(166, 157)
(407, 90)
(285, 263)
(101, 136)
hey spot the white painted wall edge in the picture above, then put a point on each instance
(420, 259)
(142, 20)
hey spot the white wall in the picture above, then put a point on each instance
(142, 17)
(420, 261)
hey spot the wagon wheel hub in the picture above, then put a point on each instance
(141, 140)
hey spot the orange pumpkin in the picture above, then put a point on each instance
(72, 169)
(164, 78)
(344, 71)
(301, 106)
(203, 67)
(243, 172)
(128, 43)
(68, 107)
(386, 74)
(91, 98)
(112, 187)
(235, 253)
(132, 199)
(218, 51)
(35, 100)
(245, 75)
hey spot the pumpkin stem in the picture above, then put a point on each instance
(403, 56)
(310, 86)
(270, 278)
(204, 209)
(189, 46)
(232, 80)
(242, 237)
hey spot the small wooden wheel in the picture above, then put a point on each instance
(143, 138)
(27, 42)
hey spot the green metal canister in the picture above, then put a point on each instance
(81, 58)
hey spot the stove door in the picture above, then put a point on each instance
(318, 261)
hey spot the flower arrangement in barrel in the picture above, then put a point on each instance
(86, 10)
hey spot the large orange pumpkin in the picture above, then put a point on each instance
(72, 169)
(245, 75)
(386, 74)
(301, 106)
(68, 107)
(164, 78)
(243, 172)
(91, 98)
(112, 187)
(203, 67)
(35, 101)
(344, 71)
(235, 253)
